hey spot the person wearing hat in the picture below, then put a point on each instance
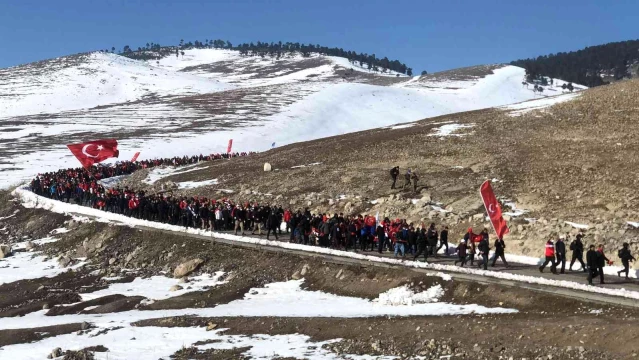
(626, 257)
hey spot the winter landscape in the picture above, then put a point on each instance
(248, 213)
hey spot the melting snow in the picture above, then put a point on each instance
(449, 130)
(157, 287)
(196, 184)
(577, 226)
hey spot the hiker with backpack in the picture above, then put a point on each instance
(577, 248)
(415, 178)
(407, 177)
(626, 257)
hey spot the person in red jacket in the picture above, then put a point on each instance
(287, 219)
(550, 257)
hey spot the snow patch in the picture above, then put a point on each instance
(196, 184)
(449, 130)
(157, 287)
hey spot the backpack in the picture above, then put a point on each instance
(620, 253)
(572, 246)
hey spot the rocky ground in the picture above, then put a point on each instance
(546, 327)
(570, 162)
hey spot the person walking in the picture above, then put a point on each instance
(500, 247)
(461, 253)
(626, 257)
(381, 238)
(443, 240)
(591, 260)
(577, 248)
(484, 249)
(271, 224)
(407, 177)
(421, 244)
(550, 257)
(415, 178)
(560, 253)
(431, 239)
(602, 260)
(394, 173)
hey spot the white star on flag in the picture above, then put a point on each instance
(100, 147)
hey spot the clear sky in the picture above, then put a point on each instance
(426, 35)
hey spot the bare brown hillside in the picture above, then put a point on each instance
(570, 162)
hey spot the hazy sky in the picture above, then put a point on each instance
(426, 35)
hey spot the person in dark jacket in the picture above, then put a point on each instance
(381, 238)
(591, 261)
(271, 224)
(394, 172)
(577, 248)
(560, 253)
(443, 240)
(500, 247)
(602, 260)
(461, 252)
(626, 257)
(421, 245)
(431, 239)
(484, 249)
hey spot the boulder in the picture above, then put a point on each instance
(29, 246)
(175, 288)
(267, 167)
(64, 261)
(211, 326)
(296, 275)
(5, 250)
(305, 269)
(57, 352)
(186, 268)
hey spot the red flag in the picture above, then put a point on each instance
(135, 157)
(92, 152)
(493, 209)
(228, 149)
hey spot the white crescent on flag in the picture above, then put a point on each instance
(84, 151)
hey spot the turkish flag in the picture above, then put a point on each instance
(493, 209)
(135, 156)
(228, 148)
(92, 152)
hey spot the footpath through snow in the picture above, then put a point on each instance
(31, 200)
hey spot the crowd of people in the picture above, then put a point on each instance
(339, 231)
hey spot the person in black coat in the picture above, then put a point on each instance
(500, 247)
(394, 172)
(577, 248)
(431, 239)
(443, 240)
(271, 224)
(421, 245)
(484, 249)
(602, 260)
(560, 254)
(626, 257)
(591, 261)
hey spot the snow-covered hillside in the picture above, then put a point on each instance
(196, 102)
(89, 80)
